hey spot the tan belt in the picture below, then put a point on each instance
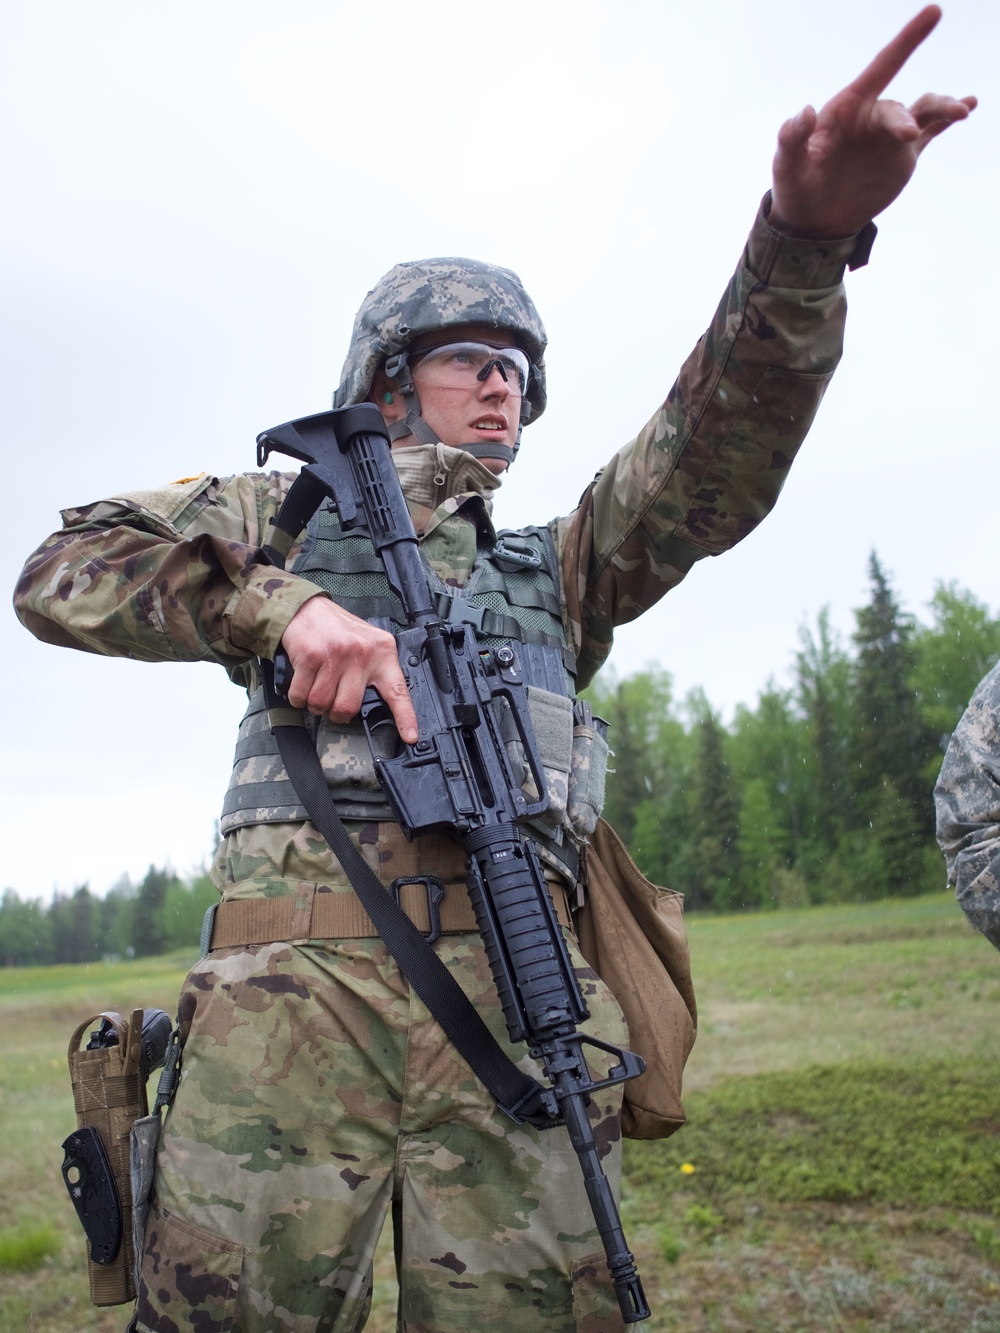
(317, 912)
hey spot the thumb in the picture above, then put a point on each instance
(794, 134)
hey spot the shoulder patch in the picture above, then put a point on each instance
(164, 502)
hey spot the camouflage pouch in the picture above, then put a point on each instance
(552, 722)
(588, 771)
(109, 1091)
(632, 934)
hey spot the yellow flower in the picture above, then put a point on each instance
(687, 1169)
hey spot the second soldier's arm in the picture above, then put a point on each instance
(967, 797)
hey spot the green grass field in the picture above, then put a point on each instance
(840, 1169)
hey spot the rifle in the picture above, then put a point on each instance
(458, 777)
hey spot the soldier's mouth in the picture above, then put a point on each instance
(490, 423)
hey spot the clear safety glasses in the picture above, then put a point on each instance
(460, 365)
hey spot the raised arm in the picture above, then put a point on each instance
(711, 462)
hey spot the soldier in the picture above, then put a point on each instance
(317, 1094)
(967, 797)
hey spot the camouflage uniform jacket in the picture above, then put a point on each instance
(171, 574)
(967, 797)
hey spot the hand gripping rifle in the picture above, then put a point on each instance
(457, 776)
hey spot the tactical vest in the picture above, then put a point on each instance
(512, 594)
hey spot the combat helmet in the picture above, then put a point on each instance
(423, 296)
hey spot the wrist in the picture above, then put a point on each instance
(778, 221)
(265, 606)
(787, 258)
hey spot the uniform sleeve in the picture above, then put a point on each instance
(967, 797)
(166, 575)
(710, 464)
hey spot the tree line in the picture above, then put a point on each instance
(161, 913)
(820, 793)
(823, 791)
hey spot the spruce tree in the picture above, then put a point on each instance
(767, 746)
(74, 927)
(891, 741)
(823, 694)
(714, 816)
(147, 924)
(760, 846)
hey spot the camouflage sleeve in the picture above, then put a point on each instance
(165, 575)
(967, 797)
(710, 464)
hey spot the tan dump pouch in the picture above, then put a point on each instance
(632, 933)
(110, 1094)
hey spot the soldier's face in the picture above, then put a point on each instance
(487, 412)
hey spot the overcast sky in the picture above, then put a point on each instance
(197, 197)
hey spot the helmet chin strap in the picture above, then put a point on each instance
(505, 452)
(397, 368)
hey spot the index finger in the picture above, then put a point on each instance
(873, 80)
(392, 687)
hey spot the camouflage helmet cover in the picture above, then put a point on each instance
(424, 295)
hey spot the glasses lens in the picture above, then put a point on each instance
(461, 365)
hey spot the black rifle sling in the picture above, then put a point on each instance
(517, 1094)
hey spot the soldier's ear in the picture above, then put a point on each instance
(386, 399)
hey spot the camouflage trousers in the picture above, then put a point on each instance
(317, 1097)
